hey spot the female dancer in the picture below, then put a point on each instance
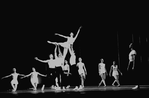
(65, 75)
(68, 45)
(34, 78)
(82, 71)
(102, 72)
(114, 69)
(14, 81)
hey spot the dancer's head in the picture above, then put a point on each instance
(71, 34)
(33, 69)
(80, 59)
(51, 56)
(66, 62)
(14, 69)
(113, 62)
(102, 60)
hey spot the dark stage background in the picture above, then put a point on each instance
(107, 30)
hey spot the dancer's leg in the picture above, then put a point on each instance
(33, 84)
(117, 78)
(12, 84)
(103, 79)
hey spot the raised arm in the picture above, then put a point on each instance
(61, 35)
(43, 61)
(55, 53)
(77, 33)
(6, 76)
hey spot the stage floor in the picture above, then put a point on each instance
(85, 90)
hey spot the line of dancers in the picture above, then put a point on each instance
(63, 74)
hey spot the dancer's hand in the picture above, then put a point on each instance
(48, 41)
(36, 58)
(121, 74)
(22, 77)
(56, 33)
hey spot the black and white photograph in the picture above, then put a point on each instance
(55, 48)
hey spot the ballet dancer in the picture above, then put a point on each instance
(14, 81)
(72, 59)
(82, 72)
(114, 69)
(34, 78)
(132, 56)
(68, 45)
(65, 75)
(131, 63)
(59, 63)
(51, 69)
(102, 72)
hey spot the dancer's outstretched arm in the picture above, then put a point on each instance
(43, 61)
(77, 34)
(27, 75)
(61, 35)
(42, 74)
(21, 74)
(55, 53)
(6, 76)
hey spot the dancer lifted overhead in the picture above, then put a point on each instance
(14, 81)
(114, 69)
(34, 78)
(68, 45)
(102, 72)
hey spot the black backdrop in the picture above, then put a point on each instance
(107, 30)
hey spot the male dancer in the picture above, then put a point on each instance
(51, 69)
(132, 57)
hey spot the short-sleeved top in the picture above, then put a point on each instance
(131, 55)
